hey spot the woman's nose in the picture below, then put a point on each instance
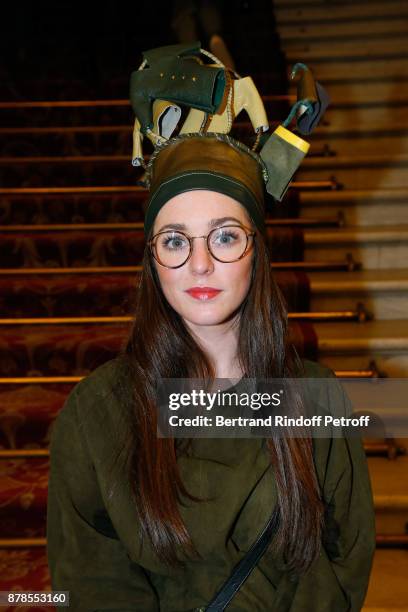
(200, 260)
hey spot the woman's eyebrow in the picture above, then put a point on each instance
(212, 223)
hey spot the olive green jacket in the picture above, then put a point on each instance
(93, 545)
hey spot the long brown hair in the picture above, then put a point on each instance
(160, 345)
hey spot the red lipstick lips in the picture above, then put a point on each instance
(203, 293)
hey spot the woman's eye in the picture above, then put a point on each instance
(174, 242)
(225, 237)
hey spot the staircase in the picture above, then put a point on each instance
(71, 241)
(358, 51)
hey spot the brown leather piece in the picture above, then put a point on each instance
(191, 154)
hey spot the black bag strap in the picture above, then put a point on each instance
(243, 568)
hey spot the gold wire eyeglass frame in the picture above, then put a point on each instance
(152, 241)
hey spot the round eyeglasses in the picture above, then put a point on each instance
(172, 248)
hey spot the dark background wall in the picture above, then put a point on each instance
(68, 49)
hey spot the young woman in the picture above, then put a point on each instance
(141, 522)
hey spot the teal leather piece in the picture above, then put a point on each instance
(312, 96)
(175, 78)
(306, 86)
(202, 180)
(282, 160)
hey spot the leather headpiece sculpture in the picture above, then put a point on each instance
(174, 79)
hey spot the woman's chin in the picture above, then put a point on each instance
(212, 317)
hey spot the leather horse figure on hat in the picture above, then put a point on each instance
(175, 76)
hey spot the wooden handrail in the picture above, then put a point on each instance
(388, 449)
(88, 270)
(94, 130)
(348, 264)
(39, 380)
(30, 191)
(360, 314)
(44, 380)
(68, 129)
(98, 129)
(64, 103)
(139, 225)
(64, 159)
(104, 103)
(22, 542)
(354, 315)
(383, 541)
(356, 374)
(66, 320)
(318, 185)
(371, 372)
(29, 453)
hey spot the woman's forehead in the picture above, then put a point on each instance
(200, 205)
